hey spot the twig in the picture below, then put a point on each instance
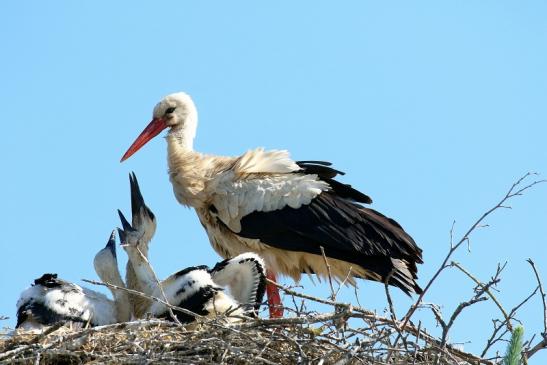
(156, 299)
(388, 295)
(392, 309)
(543, 343)
(540, 285)
(456, 313)
(487, 289)
(539, 346)
(332, 293)
(343, 282)
(160, 286)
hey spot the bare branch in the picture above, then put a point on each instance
(456, 313)
(136, 292)
(332, 293)
(159, 284)
(486, 288)
(543, 343)
(543, 298)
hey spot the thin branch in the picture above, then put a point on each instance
(343, 282)
(156, 299)
(388, 295)
(487, 289)
(456, 313)
(539, 346)
(332, 293)
(159, 284)
(543, 343)
(543, 298)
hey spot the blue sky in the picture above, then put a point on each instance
(432, 108)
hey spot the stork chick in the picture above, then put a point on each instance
(51, 300)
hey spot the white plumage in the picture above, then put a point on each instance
(234, 198)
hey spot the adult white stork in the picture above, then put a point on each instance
(51, 300)
(284, 210)
(198, 289)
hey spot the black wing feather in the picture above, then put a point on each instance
(346, 231)
(327, 174)
(194, 303)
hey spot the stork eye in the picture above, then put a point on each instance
(170, 110)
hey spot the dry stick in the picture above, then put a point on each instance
(544, 334)
(417, 343)
(159, 285)
(510, 194)
(343, 282)
(156, 299)
(487, 291)
(456, 313)
(388, 296)
(332, 294)
(539, 346)
(371, 314)
(392, 308)
(446, 326)
(543, 343)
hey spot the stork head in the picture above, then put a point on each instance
(143, 222)
(143, 219)
(106, 263)
(176, 112)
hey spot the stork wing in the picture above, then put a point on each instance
(346, 231)
(306, 209)
(244, 275)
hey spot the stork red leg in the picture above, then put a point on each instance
(274, 299)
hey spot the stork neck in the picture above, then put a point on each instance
(122, 304)
(182, 137)
(143, 275)
(187, 172)
(121, 298)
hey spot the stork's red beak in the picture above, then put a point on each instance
(151, 130)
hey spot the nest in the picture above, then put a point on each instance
(345, 336)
